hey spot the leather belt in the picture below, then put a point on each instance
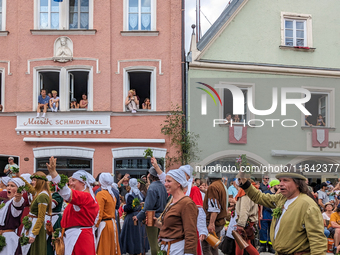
(169, 243)
(5, 231)
(295, 253)
(107, 219)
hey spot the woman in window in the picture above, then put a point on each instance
(131, 102)
(320, 121)
(10, 215)
(84, 102)
(146, 104)
(237, 118)
(41, 204)
(74, 104)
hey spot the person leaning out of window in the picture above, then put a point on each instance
(320, 121)
(74, 104)
(131, 101)
(146, 104)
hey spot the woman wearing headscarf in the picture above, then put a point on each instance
(40, 205)
(107, 242)
(28, 198)
(132, 235)
(195, 194)
(10, 215)
(3, 193)
(80, 215)
(178, 221)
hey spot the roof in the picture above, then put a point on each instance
(218, 24)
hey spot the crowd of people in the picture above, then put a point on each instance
(169, 213)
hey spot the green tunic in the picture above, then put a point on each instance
(59, 206)
(301, 226)
(39, 207)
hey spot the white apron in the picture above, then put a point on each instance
(12, 240)
(25, 249)
(175, 249)
(71, 238)
(55, 217)
(101, 226)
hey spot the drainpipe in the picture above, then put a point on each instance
(183, 62)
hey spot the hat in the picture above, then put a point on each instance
(153, 171)
(73, 100)
(273, 183)
(324, 184)
(290, 171)
(329, 203)
(179, 176)
(253, 178)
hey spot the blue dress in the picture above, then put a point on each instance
(133, 238)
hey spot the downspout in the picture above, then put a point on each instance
(183, 62)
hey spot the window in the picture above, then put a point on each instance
(318, 104)
(2, 15)
(67, 14)
(79, 14)
(143, 82)
(140, 15)
(66, 165)
(295, 33)
(228, 104)
(1, 93)
(296, 30)
(70, 83)
(4, 162)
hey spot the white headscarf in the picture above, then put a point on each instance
(188, 170)
(49, 178)
(133, 184)
(106, 180)
(5, 180)
(27, 177)
(179, 176)
(3, 211)
(86, 178)
(115, 186)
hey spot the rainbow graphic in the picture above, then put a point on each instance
(209, 93)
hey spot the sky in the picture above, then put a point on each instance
(210, 8)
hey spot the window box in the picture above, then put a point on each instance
(296, 48)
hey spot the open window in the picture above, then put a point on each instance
(228, 104)
(318, 105)
(79, 81)
(1, 93)
(49, 81)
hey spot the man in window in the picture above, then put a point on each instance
(43, 101)
(10, 166)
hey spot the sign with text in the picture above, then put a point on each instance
(64, 121)
(333, 143)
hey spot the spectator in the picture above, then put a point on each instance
(264, 183)
(54, 101)
(322, 195)
(141, 186)
(204, 187)
(228, 118)
(334, 222)
(236, 118)
(131, 102)
(43, 101)
(143, 178)
(74, 104)
(329, 207)
(123, 184)
(146, 104)
(134, 93)
(266, 219)
(306, 121)
(320, 121)
(83, 102)
(197, 182)
(50, 95)
(232, 190)
(9, 167)
(331, 193)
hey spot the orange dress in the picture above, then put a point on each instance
(108, 243)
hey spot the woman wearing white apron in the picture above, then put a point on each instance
(10, 216)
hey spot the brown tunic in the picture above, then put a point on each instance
(179, 222)
(216, 195)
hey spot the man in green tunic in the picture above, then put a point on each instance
(297, 226)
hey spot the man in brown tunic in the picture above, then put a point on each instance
(215, 207)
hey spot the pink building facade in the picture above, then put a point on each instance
(98, 48)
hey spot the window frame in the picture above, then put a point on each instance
(3, 20)
(64, 16)
(126, 16)
(295, 33)
(63, 79)
(2, 87)
(153, 85)
(330, 105)
(242, 86)
(308, 28)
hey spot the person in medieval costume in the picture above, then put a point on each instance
(28, 200)
(55, 218)
(40, 205)
(10, 214)
(79, 217)
(132, 233)
(107, 242)
(3, 194)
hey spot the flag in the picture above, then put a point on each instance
(238, 134)
(320, 137)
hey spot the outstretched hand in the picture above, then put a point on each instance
(51, 167)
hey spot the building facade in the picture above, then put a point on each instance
(257, 54)
(100, 49)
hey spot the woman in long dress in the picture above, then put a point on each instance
(41, 204)
(10, 215)
(108, 239)
(132, 235)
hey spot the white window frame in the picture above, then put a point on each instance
(64, 16)
(126, 16)
(242, 86)
(330, 105)
(297, 17)
(3, 20)
(153, 82)
(2, 71)
(64, 90)
(295, 32)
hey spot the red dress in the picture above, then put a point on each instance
(196, 196)
(82, 210)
